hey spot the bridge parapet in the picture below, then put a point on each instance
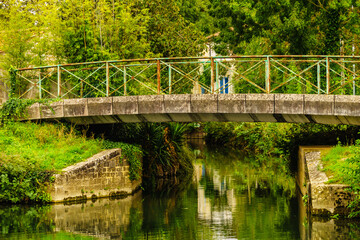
(316, 74)
(298, 108)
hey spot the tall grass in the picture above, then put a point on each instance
(45, 146)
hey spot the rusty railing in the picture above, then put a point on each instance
(208, 75)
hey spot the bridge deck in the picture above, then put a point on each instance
(295, 108)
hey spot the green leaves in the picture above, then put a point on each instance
(286, 27)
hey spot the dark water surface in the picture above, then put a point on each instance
(228, 197)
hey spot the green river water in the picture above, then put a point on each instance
(228, 197)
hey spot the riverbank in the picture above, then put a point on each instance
(32, 153)
(342, 166)
(321, 196)
(282, 139)
(45, 162)
(226, 197)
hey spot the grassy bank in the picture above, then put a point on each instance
(342, 165)
(31, 153)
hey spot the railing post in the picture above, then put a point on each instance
(124, 80)
(170, 79)
(327, 75)
(318, 77)
(40, 84)
(107, 79)
(158, 76)
(212, 75)
(59, 81)
(217, 77)
(267, 74)
(354, 86)
(342, 65)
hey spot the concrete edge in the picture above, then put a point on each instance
(335, 196)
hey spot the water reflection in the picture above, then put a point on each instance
(315, 227)
(229, 197)
(103, 218)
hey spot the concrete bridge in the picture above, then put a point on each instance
(294, 108)
(167, 90)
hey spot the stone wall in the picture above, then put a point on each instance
(323, 198)
(104, 174)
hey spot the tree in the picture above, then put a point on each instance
(169, 33)
(283, 27)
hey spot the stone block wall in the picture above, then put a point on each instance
(104, 174)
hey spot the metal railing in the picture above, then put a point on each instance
(314, 74)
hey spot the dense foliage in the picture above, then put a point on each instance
(278, 139)
(41, 32)
(83, 31)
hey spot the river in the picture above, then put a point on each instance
(229, 196)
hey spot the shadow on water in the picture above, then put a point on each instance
(229, 196)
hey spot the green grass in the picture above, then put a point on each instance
(46, 146)
(31, 153)
(336, 164)
(343, 163)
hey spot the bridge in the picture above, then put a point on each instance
(295, 108)
(302, 89)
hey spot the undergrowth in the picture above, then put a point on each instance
(278, 139)
(162, 145)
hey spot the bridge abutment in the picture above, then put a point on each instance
(105, 174)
